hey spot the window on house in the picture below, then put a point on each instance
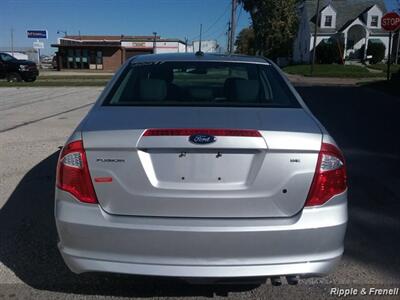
(374, 21)
(328, 21)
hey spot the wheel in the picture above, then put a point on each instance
(14, 77)
(30, 79)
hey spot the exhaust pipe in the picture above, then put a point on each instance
(276, 281)
(292, 280)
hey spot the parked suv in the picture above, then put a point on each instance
(15, 70)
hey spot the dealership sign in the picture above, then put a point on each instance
(37, 34)
(38, 45)
(391, 21)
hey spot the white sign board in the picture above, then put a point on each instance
(38, 45)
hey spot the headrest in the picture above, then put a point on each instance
(153, 89)
(240, 89)
(162, 73)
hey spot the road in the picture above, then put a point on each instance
(34, 123)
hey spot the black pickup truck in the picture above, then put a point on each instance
(15, 70)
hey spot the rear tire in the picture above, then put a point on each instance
(30, 79)
(14, 77)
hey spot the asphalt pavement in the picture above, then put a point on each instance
(35, 122)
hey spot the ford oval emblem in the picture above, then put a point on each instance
(202, 139)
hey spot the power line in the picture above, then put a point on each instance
(216, 31)
(220, 33)
(240, 13)
(214, 23)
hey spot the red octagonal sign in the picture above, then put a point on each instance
(391, 21)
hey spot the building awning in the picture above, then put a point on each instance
(86, 46)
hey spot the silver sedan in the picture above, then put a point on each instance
(201, 165)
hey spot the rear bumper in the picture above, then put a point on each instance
(309, 244)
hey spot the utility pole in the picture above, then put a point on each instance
(233, 26)
(315, 39)
(12, 41)
(154, 41)
(398, 47)
(186, 42)
(201, 31)
(389, 61)
(228, 35)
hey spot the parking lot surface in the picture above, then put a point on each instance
(35, 122)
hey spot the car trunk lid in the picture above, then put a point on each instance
(264, 174)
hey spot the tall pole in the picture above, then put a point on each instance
(201, 31)
(12, 41)
(186, 42)
(233, 27)
(315, 39)
(228, 34)
(389, 55)
(398, 47)
(154, 41)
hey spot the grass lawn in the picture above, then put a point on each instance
(58, 83)
(73, 77)
(61, 80)
(342, 71)
(382, 67)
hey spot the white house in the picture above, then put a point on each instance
(354, 22)
(209, 46)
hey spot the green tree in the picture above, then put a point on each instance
(245, 42)
(275, 25)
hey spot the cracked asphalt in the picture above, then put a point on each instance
(34, 122)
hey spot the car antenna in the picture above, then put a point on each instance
(200, 53)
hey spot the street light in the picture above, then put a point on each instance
(62, 31)
(154, 41)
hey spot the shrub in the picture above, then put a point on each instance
(377, 51)
(328, 52)
(396, 76)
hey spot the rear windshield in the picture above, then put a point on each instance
(201, 84)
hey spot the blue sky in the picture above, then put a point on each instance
(393, 5)
(169, 18)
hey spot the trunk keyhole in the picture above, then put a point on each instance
(219, 154)
(182, 154)
(284, 191)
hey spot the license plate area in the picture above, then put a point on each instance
(200, 169)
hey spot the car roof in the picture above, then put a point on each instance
(198, 57)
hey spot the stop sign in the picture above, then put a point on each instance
(391, 21)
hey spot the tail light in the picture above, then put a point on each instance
(73, 173)
(330, 176)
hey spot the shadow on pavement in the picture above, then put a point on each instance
(362, 123)
(28, 240)
(365, 123)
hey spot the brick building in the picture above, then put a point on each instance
(107, 53)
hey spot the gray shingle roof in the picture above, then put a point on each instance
(346, 12)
